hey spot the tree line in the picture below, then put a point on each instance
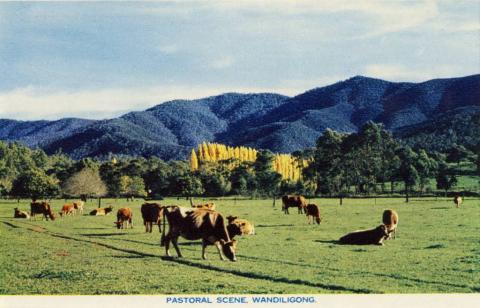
(369, 162)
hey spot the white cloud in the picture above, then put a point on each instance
(222, 62)
(34, 103)
(168, 49)
(396, 72)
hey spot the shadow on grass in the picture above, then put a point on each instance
(257, 276)
(440, 208)
(273, 226)
(328, 242)
(10, 225)
(101, 234)
(104, 228)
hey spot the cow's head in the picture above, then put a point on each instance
(318, 219)
(228, 249)
(118, 224)
(231, 219)
(383, 230)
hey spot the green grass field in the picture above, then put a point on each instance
(437, 250)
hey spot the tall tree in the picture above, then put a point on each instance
(85, 184)
(34, 184)
(407, 171)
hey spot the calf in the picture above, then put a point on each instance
(238, 226)
(152, 214)
(374, 236)
(206, 206)
(293, 201)
(390, 220)
(124, 215)
(67, 209)
(102, 211)
(41, 208)
(20, 214)
(313, 212)
(458, 201)
(197, 224)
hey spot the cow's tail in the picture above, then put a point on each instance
(162, 240)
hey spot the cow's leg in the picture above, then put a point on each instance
(219, 248)
(175, 244)
(204, 247)
(166, 242)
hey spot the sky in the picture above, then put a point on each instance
(99, 60)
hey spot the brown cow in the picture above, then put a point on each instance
(458, 201)
(41, 208)
(238, 226)
(124, 215)
(390, 220)
(101, 211)
(197, 224)
(67, 209)
(79, 205)
(152, 214)
(206, 206)
(313, 212)
(374, 236)
(20, 214)
(293, 201)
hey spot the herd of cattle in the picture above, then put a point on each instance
(204, 222)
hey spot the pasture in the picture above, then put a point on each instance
(437, 250)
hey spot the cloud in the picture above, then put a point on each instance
(32, 103)
(396, 72)
(222, 62)
(168, 49)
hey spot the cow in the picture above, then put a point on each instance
(293, 201)
(238, 226)
(390, 220)
(366, 237)
(210, 226)
(67, 209)
(313, 212)
(152, 214)
(101, 211)
(79, 205)
(41, 208)
(20, 214)
(458, 201)
(206, 206)
(124, 215)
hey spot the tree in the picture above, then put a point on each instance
(446, 179)
(407, 171)
(457, 153)
(426, 167)
(34, 184)
(326, 158)
(267, 181)
(189, 186)
(193, 161)
(132, 187)
(84, 184)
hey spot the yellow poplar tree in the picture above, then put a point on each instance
(193, 161)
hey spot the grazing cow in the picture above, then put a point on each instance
(206, 206)
(238, 226)
(458, 201)
(124, 215)
(197, 224)
(313, 212)
(152, 214)
(20, 214)
(374, 236)
(293, 201)
(41, 208)
(390, 220)
(67, 209)
(79, 205)
(101, 211)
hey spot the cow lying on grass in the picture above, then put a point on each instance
(124, 215)
(152, 214)
(237, 226)
(20, 214)
(368, 237)
(206, 206)
(197, 224)
(390, 220)
(102, 211)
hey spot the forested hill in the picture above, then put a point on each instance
(415, 111)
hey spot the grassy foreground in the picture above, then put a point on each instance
(437, 250)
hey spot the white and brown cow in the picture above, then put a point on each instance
(79, 206)
(152, 214)
(238, 226)
(41, 208)
(20, 214)
(102, 211)
(195, 224)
